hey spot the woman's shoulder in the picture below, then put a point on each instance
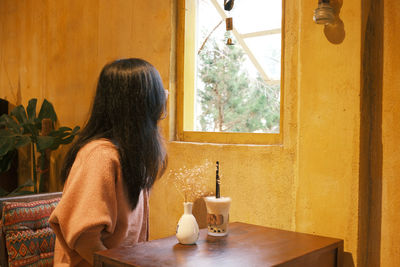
(101, 147)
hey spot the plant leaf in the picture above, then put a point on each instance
(29, 127)
(44, 142)
(31, 109)
(19, 113)
(10, 123)
(47, 111)
(5, 133)
(21, 193)
(60, 131)
(67, 140)
(64, 129)
(64, 135)
(75, 131)
(17, 192)
(6, 160)
(6, 145)
(22, 140)
(55, 145)
(10, 141)
(38, 124)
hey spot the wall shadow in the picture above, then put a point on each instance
(348, 260)
(200, 212)
(371, 150)
(335, 33)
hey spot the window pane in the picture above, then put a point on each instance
(237, 87)
(256, 15)
(231, 94)
(267, 49)
(207, 22)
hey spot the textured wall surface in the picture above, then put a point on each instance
(56, 49)
(329, 119)
(390, 248)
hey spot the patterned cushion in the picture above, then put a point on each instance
(28, 215)
(29, 239)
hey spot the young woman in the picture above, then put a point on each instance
(110, 169)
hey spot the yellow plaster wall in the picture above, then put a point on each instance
(56, 49)
(390, 235)
(329, 119)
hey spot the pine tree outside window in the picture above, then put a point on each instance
(230, 93)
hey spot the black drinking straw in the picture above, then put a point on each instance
(217, 193)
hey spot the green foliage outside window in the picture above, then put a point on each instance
(230, 99)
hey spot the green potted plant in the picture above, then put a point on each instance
(25, 127)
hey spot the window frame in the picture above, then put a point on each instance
(220, 137)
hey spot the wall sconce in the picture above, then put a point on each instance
(324, 13)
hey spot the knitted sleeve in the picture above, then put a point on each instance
(89, 201)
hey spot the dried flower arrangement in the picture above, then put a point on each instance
(192, 183)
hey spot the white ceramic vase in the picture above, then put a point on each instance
(187, 230)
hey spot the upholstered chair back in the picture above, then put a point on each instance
(26, 237)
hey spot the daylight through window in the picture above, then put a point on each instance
(232, 88)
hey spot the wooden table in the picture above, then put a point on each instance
(245, 245)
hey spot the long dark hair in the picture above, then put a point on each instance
(130, 100)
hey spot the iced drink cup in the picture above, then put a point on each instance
(217, 215)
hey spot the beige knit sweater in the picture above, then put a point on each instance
(93, 213)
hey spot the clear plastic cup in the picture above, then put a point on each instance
(217, 215)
